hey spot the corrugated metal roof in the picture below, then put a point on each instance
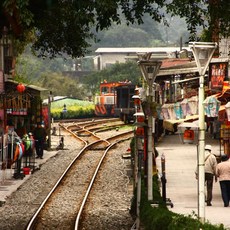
(177, 66)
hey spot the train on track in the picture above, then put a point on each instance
(116, 100)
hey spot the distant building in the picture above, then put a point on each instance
(109, 56)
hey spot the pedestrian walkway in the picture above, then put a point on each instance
(181, 186)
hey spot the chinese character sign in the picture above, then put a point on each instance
(218, 72)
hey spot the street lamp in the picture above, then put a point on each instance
(203, 52)
(139, 152)
(50, 99)
(149, 69)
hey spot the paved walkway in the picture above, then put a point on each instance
(181, 186)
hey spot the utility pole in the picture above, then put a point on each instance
(149, 69)
(203, 52)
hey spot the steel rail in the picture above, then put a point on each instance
(32, 222)
(87, 146)
(92, 182)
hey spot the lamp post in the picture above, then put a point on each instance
(150, 69)
(139, 152)
(203, 52)
(50, 99)
(137, 102)
(5, 48)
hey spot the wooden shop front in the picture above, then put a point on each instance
(21, 107)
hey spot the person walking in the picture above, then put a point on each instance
(40, 137)
(223, 173)
(210, 172)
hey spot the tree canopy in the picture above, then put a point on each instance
(62, 26)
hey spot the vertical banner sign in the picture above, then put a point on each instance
(1, 82)
(2, 116)
(218, 72)
(45, 115)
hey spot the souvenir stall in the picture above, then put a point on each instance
(176, 113)
(225, 120)
(188, 132)
(225, 132)
(217, 115)
(20, 110)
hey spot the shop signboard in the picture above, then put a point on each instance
(218, 73)
(45, 115)
(1, 82)
(13, 111)
(17, 105)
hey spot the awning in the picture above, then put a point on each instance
(192, 125)
(171, 125)
(34, 87)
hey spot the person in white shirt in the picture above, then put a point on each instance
(210, 172)
(223, 173)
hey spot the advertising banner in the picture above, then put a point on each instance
(218, 73)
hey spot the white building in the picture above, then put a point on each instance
(109, 56)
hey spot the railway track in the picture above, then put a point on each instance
(68, 199)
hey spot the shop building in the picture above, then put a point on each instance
(176, 93)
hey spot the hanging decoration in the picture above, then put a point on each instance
(211, 106)
(185, 108)
(21, 88)
(178, 110)
(193, 105)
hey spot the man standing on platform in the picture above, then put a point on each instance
(210, 172)
(40, 137)
(210, 164)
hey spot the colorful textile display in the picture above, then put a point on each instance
(165, 112)
(19, 151)
(211, 106)
(178, 110)
(193, 105)
(171, 112)
(29, 143)
(185, 108)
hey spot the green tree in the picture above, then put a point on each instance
(117, 72)
(32, 67)
(125, 36)
(62, 85)
(57, 27)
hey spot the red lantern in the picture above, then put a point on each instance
(189, 136)
(21, 88)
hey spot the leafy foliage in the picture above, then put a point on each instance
(57, 83)
(47, 74)
(58, 26)
(160, 218)
(117, 72)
